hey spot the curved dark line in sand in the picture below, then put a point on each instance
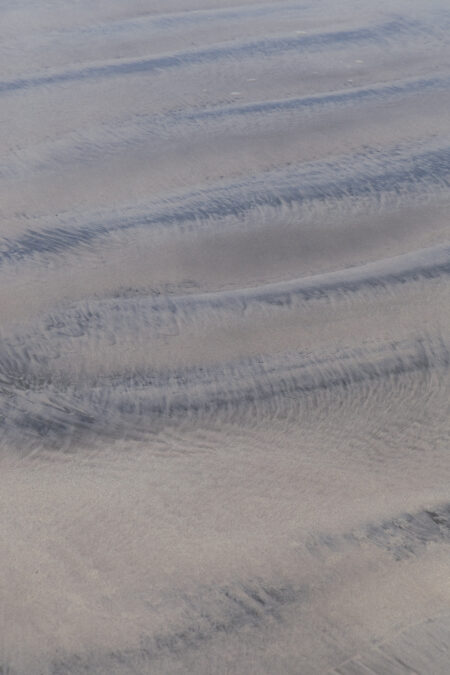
(267, 47)
(347, 96)
(256, 604)
(274, 190)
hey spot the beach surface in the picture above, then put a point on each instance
(224, 337)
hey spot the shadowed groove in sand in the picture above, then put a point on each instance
(215, 612)
(426, 265)
(402, 538)
(222, 612)
(129, 405)
(267, 47)
(163, 313)
(214, 120)
(380, 174)
(349, 96)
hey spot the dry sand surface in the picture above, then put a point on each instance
(224, 337)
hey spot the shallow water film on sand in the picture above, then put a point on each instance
(224, 337)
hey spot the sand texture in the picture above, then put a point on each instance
(224, 337)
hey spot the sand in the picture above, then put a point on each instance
(224, 337)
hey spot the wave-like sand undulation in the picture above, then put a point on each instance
(224, 337)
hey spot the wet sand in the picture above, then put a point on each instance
(224, 337)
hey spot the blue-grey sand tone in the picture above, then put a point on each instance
(224, 337)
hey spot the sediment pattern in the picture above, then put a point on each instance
(224, 337)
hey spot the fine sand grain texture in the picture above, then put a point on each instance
(224, 337)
